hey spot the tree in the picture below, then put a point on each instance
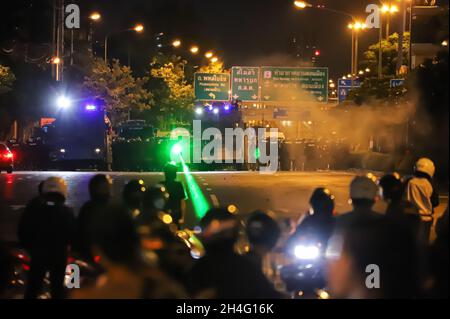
(372, 88)
(389, 49)
(213, 67)
(7, 78)
(120, 90)
(175, 96)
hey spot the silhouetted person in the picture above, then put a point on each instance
(100, 194)
(263, 233)
(319, 223)
(126, 275)
(373, 258)
(439, 259)
(221, 273)
(392, 192)
(132, 195)
(46, 230)
(176, 203)
(157, 229)
(363, 194)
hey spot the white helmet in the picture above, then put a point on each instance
(363, 187)
(55, 185)
(425, 165)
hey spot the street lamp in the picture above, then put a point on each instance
(139, 28)
(194, 49)
(176, 43)
(56, 60)
(209, 55)
(301, 4)
(95, 16)
(215, 59)
(388, 10)
(356, 27)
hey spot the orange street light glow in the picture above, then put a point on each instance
(95, 16)
(194, 49)
(139, 28)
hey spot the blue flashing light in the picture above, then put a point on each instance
(91, 107)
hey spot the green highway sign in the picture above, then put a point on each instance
(245, 83)
(291, 84)
(212, 87)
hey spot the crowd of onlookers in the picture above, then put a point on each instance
(138, 248)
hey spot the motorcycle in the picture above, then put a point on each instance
(20, 268)
(304, 275)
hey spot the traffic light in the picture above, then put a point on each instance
(317, 53)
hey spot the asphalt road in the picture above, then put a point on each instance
(286, 194)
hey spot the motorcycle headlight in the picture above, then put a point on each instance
(306, 252)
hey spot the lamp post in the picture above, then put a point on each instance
(304, 5)
(356, 28)
(93, 18)
(138, 29)
(388, 10)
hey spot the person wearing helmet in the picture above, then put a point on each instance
(100, 187)
(421, 192)
(364, 192)
(222, 273)
(176, 204)
(319, 223)
(263, 234)
(46, 230)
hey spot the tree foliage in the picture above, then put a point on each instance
(389, 49)
(174, 95)
(7, 78)
(213, 67)
(120, 90)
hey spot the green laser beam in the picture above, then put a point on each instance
(199, 202)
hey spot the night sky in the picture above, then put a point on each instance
(242, 32)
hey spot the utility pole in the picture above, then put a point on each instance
(401, 37)
(380, 50)
(58, 38)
